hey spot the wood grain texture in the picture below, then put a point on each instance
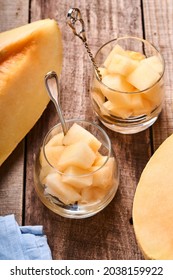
(158, 22)
(109, 234)
(12, 14)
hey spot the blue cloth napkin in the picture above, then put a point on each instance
(22, 243)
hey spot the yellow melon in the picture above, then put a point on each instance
(153, 205)
(27, 53)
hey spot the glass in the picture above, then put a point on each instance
(129, 98)
(76, 196)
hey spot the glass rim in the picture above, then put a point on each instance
(134, 38)
(89, 123)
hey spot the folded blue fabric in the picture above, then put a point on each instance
(22, 243)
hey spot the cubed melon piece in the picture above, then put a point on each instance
(135, 55)
(92, 195)
(56, 140)
(140, 105)
(103, 177)
(77, 133)
(78, 154)
(53, 154)
(154, 62)
(47, 169)
(143, 76)
(117, 82)
(153, 205)
(100, 160)
(121, 64)
(155, 94)
(98, 97)
(98, 100)
(122, 110)
(103, 71)
(27, 53)
(77, 177)
(64, 192)
(96, 81)
(116, 50)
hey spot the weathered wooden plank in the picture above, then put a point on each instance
(12, 14)
(158, 23)
(109, 234)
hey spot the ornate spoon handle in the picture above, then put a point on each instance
(73, 18)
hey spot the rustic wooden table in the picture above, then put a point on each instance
(109, 234)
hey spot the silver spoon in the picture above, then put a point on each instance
(74, 17)
(52, 86)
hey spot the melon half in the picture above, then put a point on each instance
(153, 205)
(27, 53)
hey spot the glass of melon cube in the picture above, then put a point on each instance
(129, 97)
(76, 175)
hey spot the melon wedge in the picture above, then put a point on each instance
(153, 205)
(27, 53)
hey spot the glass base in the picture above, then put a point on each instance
(74, 211)
(129, 129)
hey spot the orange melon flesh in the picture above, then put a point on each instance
(27, 53)
(153, 205)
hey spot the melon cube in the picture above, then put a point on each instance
(77, 133)
(78, 154)
(117, 82)
(103, 71)
(154, 62)
(64, 192)
(47, 169)
(98, 100)
(96, 82)
(100, 160)
(135, 55)
(143, 76)
(103, 178)
(92, 195)
(121, 64)
(155, 94)
(77, 177)
(120, 110)
(56, 140)
(116, 50)
(98, 97)
(52, 154)
(140, 105)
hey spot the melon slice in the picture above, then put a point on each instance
(27, 53)
(153, 205)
